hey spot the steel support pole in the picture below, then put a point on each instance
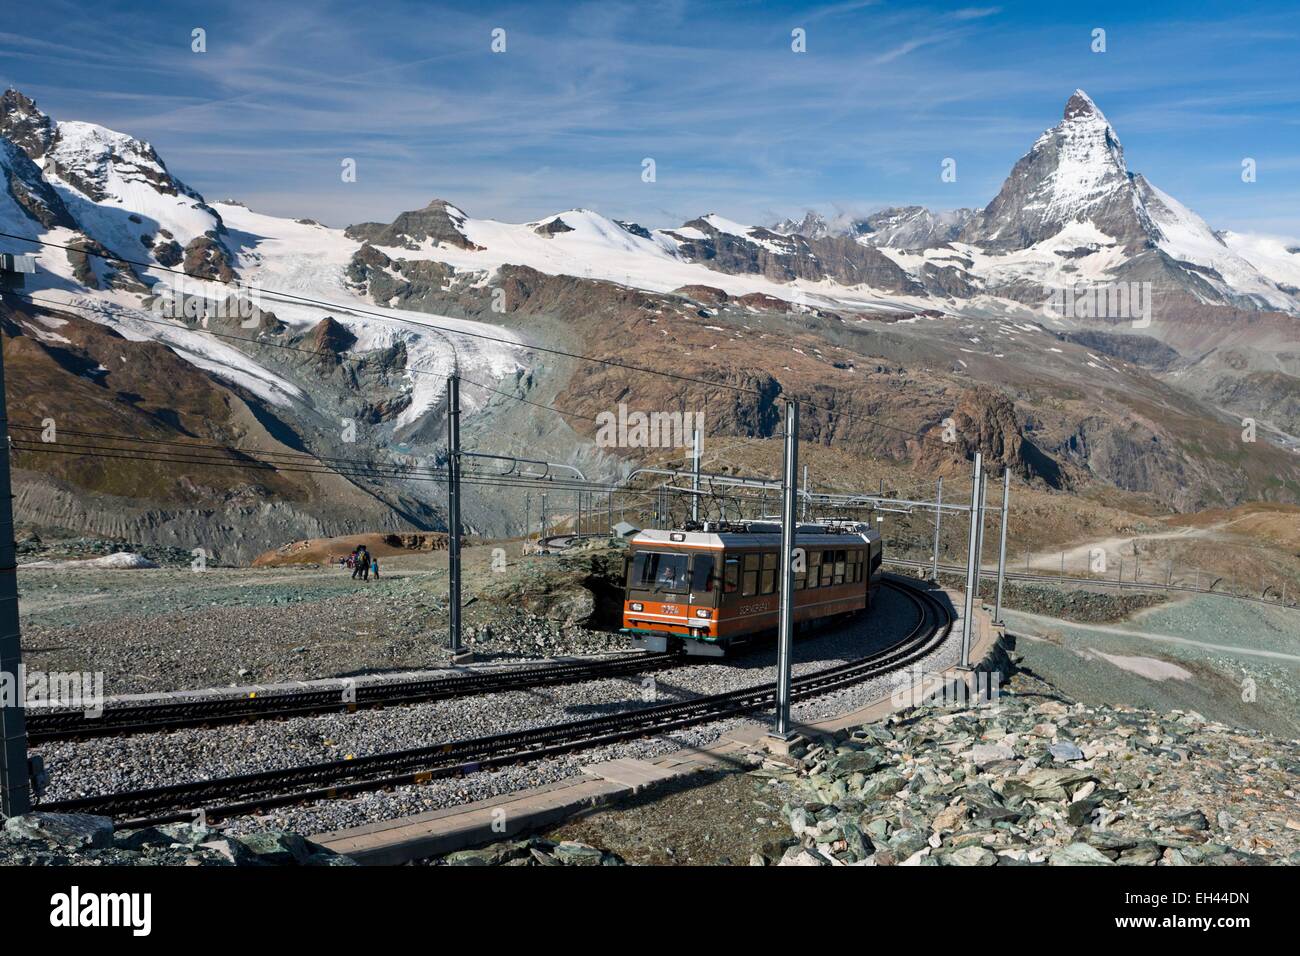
(968, 606)
(15, 788)
(695, 475)
(789, 523)
(1002, 545)
(979, 538)
(804, 511)
(453, 510)
(938, 518)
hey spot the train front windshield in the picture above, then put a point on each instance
(658, 571)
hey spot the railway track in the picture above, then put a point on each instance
(174, 715)
(258, 792)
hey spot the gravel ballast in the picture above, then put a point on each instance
(112, 764)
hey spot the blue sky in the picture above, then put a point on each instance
(736, 122)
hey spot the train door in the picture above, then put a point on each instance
(704, 580)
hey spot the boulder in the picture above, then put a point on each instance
(1079, 854)
(495, 854)
(277, 848)
(578, 854)
(969, 856)
(74, 830)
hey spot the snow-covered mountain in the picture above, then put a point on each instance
(898, 227)
(1072, 211)
(1069, 211)
(398, 305)
(112, 197)
(913, 227)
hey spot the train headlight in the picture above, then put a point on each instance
(702, 612)
(637, 606)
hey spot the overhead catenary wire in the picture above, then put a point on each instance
(130, 454)
(204, 456)
(207, 455)
(55, 303)
(369, 470)
(395, 473)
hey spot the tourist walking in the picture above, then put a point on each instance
(361, 564)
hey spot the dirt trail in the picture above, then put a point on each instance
(330, 550)
(1078, 557)
(1229, 649)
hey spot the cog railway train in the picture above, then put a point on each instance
(705, 591)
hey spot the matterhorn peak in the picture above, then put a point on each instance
(1081, 104)
(1075, 172)
(1082, 112)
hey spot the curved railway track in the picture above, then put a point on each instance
(173, 715)
(258, 792)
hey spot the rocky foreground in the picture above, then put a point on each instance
(76, 839)
(1033, 779)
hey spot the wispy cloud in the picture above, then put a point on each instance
(736, 120)
(975, 13)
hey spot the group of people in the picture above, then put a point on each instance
(361, 563)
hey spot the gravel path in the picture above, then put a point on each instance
(96, 766)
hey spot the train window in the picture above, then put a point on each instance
(769, 573)
(814, 561)
(657, 571)
(839, 567)
(749, 582)
(732, 579)
(828, 568)
(702, 574)
(640, 576)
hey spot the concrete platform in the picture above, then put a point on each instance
(635, 775)
(454, 828)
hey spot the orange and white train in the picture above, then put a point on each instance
(705, 591)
